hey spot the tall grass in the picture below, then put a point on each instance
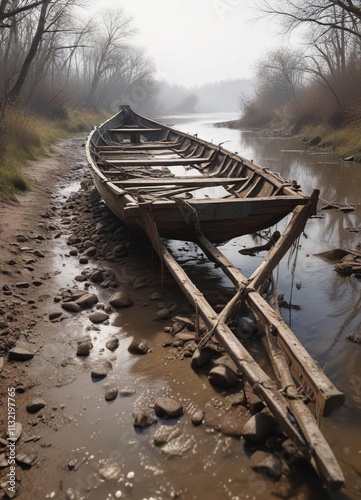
(28, 137)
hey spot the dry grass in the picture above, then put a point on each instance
(345, 141)
(30, 137)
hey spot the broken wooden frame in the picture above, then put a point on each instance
(294, 418)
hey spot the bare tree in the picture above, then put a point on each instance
(9, 9)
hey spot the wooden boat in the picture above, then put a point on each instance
(194, 186)
(133, 161)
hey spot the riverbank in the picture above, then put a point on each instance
(344, 142)
(29, 137)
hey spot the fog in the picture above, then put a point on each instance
(193, 42)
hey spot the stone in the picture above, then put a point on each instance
(71, 306)
(138, 347)
(155, 296)
(91, 252)
(39, 254)
(126, 392)
(178, 447)
(111, 394)
(120, 299)
(14, 434)
(83, 260)
(144, 418)
(20, 354)
(168, 408)
(253, 402)
(55, 315)
(259, 427)
(98, 317)
(164, 313)
(201, 357)
(267, 463)
(165, 434)
(26, 460)
(197, 417)
(84, 348)
(73, 240)
(112, 344)
(97, 277)
(225, 360)
(35, 405)
(118, 249)
(23, 284)
(87, 300)
(223, 376)
(101, 370)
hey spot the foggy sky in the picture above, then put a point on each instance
(197, 41)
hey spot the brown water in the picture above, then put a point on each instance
(100, 435)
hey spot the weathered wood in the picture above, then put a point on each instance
(184, 181)
(173, 162)
(132, 130)
(303, 367)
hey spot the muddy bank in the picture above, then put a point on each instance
(104, 389)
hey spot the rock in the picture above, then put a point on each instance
(84, 348)
(155, 296)
(83, 260)
(178, 447)
(87, 300)
(71, 306)
(118, 249)
(223, 376)
(101, 370)
(254, 403)
(91, 252)
(200, 358)
(120, 299)
(19, 354)
(37, 283)
(164, 313)
(112, 344)
(139, 347)
(35, 405)
(55, 315)
(168, 408)
(23, 284)
(39, 254)
(225, 360)
(126, 392)
(197, 417)
(26, 460)
(165, 433)
(73, 240)
(259, 427)
(355, 337)
(184, 336)
(144, 418)
(97, 277)
(98, 317)
(267, 463)
(111, 394)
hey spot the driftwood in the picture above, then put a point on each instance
(308, 441)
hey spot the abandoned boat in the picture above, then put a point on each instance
(193, 186)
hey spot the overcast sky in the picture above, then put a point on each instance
(197, 41)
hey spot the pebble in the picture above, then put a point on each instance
(26, 460)
(144, 418)
(101, 370)
(39, 254)
(83, 260)
(120, 299)
(14, 436)
(197, 417)
(23, 284)
(35, 405)
(139, 347)
(223, 376)
(19, 354)
(91, 252)
(97, 277)
(87, 300)
(98, 317)
(164, 313)
(259, 427)
(168, 408)
(55, 315)
(200, 358)
(111, 394)
(112, 344)
(355, 337)
(84, 348)
(267, 463)
(71, 306)
(155, 296)
(73, 240)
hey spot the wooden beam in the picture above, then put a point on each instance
(125, 130)
(173, 162)
(184, 181)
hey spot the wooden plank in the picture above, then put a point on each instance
(184, 181)
(133, 130)
(173, 162)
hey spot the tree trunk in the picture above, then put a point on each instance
(14, 93)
